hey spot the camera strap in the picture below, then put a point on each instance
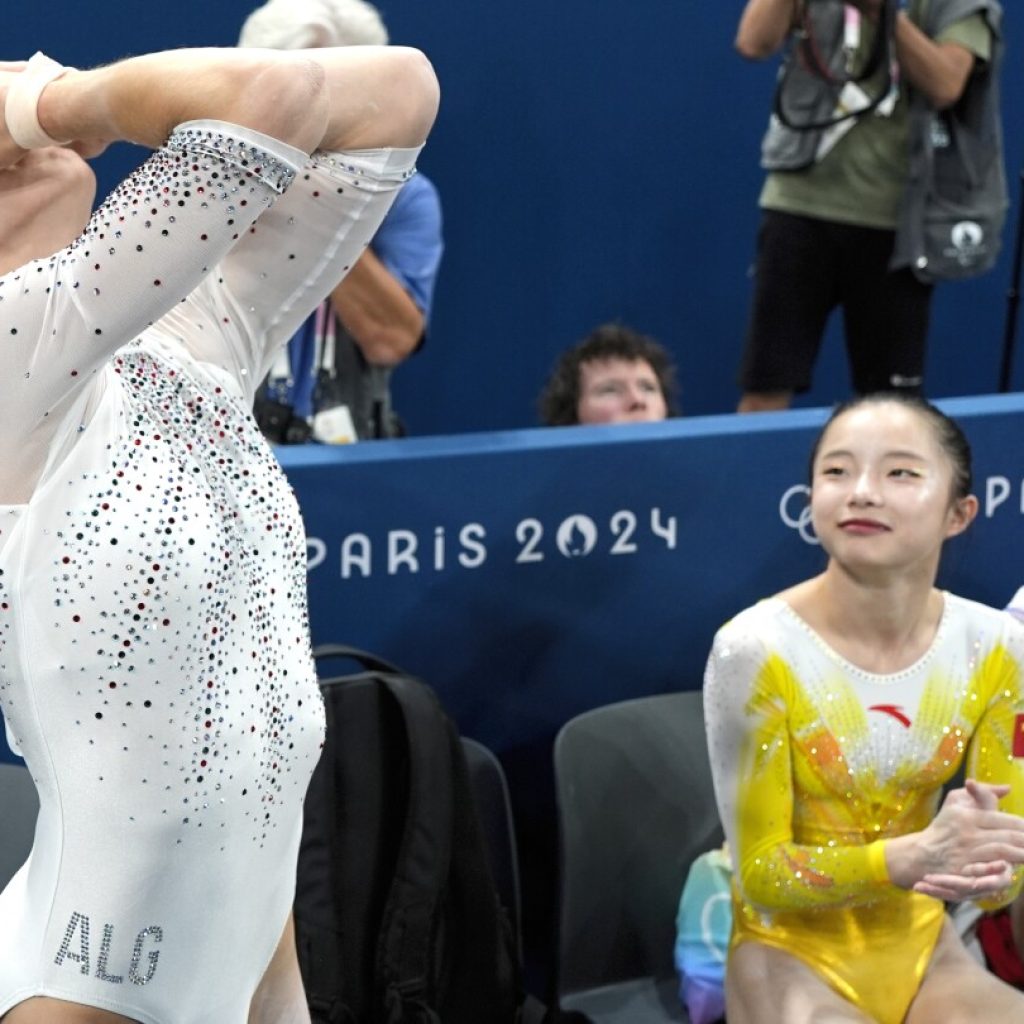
(326, 338)
(805, 58)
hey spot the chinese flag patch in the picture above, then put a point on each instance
(1018, 736)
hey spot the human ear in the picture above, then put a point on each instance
(961, 515)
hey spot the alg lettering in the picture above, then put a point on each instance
(76, 949)
(576, 536)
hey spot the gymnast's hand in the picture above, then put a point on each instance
(10, 152)
(979, 879)
(968, 851)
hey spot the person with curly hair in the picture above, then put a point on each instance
(614, 375)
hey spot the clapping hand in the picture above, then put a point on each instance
(973, 845)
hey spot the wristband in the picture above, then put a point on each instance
(20, 110)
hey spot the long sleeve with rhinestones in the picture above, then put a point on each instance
(996, 749)
(817, 762)
(748, 700)
(144, 250)
(286, 263)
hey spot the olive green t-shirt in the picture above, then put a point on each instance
(861, 180)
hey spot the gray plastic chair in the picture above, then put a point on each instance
(19, 808)
(635, 807)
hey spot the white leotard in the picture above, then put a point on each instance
(155, 669)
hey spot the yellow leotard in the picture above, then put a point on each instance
(817, 762)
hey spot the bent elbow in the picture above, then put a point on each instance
(388, 346)
(421, 89)
(944, 99)
(291, 95)
(753, 47)
(947, 89)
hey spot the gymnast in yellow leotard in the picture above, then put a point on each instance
(836, 712)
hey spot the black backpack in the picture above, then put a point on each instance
(397, 919)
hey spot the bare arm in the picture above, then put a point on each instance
(143, 98)
(378, 312)
(347, 98)
(764, 26)
(939, 70)
(377, 96)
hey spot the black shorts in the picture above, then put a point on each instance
(807, 267)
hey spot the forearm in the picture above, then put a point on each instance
(993, 760)
(334, 99)
(378, 312)
(764, 26)
(789, 876)
(938, 70)
(905, 860)
(142, 99)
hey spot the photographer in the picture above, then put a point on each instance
(880, 115)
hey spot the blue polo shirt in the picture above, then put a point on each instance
(409, 244)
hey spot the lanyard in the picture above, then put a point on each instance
(851, 44)
(851, 34)
(324, 333)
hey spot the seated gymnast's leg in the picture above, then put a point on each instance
(764, 985)
(958, 990)
(43, 1010)
(280, 997)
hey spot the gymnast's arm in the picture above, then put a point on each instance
(72, 297)
(747, 695)
(299, 250)
(746, 699)
(995, 763)
(162, 231)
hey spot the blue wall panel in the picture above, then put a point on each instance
(596, 160)
(530, 575)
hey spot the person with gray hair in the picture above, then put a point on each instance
(334, 379)
(305, 24)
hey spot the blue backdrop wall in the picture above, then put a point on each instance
(597, 160)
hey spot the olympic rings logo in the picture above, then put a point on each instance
(801, 522)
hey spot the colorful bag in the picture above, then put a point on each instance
(703, 927)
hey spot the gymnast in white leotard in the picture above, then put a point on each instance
(154, 657)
